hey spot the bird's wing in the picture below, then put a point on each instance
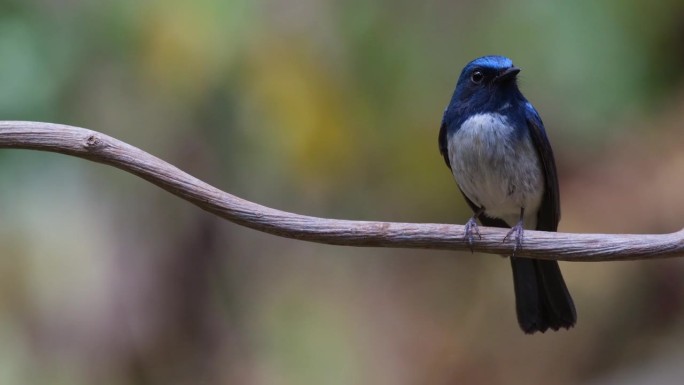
(549, 212)
(443, 143)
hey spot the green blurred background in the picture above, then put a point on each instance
(327, 108)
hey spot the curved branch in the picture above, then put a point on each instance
(97, 147)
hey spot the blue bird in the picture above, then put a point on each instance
(494, 142)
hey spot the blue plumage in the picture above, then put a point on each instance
(494, 142)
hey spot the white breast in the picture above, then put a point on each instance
(497, 168)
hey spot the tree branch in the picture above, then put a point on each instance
(97, 147)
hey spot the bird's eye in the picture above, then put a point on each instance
(477, 77)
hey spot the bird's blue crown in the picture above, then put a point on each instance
(491, 61)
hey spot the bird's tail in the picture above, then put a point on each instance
(541, 298)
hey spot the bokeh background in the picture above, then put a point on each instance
(327, 108)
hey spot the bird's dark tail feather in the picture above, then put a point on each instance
(541, 298)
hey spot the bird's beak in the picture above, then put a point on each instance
(508, 73)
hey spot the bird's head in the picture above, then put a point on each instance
(486, 82)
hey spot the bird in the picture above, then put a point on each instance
(495, 144)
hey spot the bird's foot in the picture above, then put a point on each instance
(516, 232)
(471, 230)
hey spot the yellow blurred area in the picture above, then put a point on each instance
(186, 47)
(303, 106)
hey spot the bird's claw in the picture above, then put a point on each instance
(518, 232)
(471, 229)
